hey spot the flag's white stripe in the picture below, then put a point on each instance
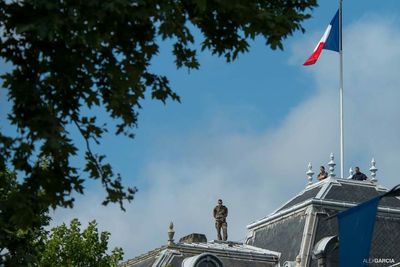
(324, 37)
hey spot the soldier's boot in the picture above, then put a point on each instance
(225, 231)
(218, 227)
(219, 236)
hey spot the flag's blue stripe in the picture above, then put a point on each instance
(332, 43)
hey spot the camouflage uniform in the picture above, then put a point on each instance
(220, 214)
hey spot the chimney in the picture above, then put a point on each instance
(194, 238)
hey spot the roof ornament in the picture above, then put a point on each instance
(309, 173)
(171, 234)
(298, 261)
(331, 165)
(373, 171)
(351, 172)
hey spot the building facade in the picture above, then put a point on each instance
(302, 232)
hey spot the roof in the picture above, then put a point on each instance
(221, 247)
(300, 223)
(230, 253)
(284, 235)
(341, 190)
(295, 229)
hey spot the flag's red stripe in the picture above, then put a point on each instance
(314, 56)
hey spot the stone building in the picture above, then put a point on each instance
(302, 232)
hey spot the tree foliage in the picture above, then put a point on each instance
(34, 246)
(70, 246)
(19, 245)
(71, 59)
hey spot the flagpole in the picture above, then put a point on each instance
(341, 93)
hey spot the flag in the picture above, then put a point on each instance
(356, 226)
(330, 41)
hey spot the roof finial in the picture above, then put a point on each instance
(331, 165)
(171, 234)
(351, 172)
(298, 260)
(309, 173)
(373, 171)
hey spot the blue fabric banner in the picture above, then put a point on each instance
(332, 43)
(356, 226)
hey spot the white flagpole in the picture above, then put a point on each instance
(341, 93)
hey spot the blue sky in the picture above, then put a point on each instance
(250, 127)
(255, 91)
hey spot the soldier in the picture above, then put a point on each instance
(359, 175)
(323, 174)
(220, 214)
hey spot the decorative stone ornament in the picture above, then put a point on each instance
(309, 173)
(332, 165)
(373, 171)
(171, 234)
(351, 172)
(298, 261)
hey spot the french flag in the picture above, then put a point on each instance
(330, 41)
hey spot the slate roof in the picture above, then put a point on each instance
(385, 238)
(232, 254)
(293, 230)
(144, 260)
(343, 190)
(303, 196)
(284, 236)
(296, 227)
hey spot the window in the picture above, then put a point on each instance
(202, 260)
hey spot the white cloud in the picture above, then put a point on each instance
(255, 173)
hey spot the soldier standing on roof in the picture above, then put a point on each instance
(220, 214)
(359, 175)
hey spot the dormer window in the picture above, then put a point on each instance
(202, 260)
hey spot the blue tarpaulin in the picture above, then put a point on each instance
(356, 226)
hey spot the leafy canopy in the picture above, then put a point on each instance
(71, 59)
(70, 246)
(19, 245)
(34, 246)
